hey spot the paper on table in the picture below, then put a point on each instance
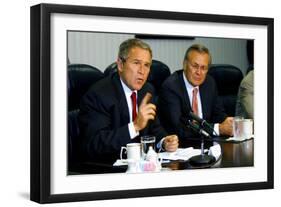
(120, 162)
(215, 151)
(239, 139)
(180, 154)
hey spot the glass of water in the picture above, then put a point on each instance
(238, 127)
(146, 142)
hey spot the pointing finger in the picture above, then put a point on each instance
(146, 99)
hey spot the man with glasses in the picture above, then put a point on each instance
(192, 90)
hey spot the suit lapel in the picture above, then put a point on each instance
(183, 93)
(141, 94)
(204, 99)
(122, 102)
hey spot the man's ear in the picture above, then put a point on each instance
(184, 64)
(120, 65)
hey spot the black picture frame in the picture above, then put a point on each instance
(40, 177)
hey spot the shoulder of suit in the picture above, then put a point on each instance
(102, 86)
(173, 79)
(248, 80)
(209, 84)
(148, 87)
(209, 80)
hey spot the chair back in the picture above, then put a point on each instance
(73, 137)
(228, 78)
(80, 78)
(158, 74)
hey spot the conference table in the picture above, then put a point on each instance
(233, 154)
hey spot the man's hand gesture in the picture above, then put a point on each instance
(147, 111)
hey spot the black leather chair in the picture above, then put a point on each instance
(158, 73)
(228, 78)
(112, 68)
(73, 138)
(80, 79)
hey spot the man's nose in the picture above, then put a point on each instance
(141, 69)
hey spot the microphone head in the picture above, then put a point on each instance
(196, 128)
(193, 116)
(201, 122)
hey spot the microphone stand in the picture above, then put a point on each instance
(202, 159)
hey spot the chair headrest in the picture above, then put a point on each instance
(227, 77)
(158, 74)
(80, 78)
(112, 68)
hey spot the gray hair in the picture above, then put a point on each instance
(127, 45)
(198, 48)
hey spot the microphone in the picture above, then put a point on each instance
(202, 122)
(198, 129)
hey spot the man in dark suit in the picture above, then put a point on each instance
(192, 89)
(117, 110)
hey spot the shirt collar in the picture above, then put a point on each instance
(188, 86)
(126, 89)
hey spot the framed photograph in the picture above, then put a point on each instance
(58, 33)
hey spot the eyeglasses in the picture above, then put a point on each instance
(202, 68)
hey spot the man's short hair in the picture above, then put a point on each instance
(198, 48)
(127, 45)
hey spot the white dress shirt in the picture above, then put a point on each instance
(128, 92)
(189, 89)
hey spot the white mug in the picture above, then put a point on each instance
(133, 151)
(133, 166)
(242, 128)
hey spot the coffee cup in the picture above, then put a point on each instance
(242, 128)
(133, 151)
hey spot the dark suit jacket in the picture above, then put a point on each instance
(104, 118)
(174, 105)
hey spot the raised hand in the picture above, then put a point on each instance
(146, 112)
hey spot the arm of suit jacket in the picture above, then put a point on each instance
(154, 127)
(171, 114)
(216, 112)
(102, 128)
